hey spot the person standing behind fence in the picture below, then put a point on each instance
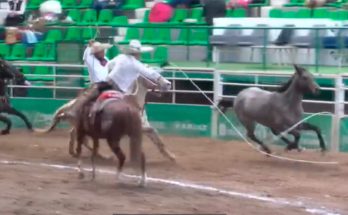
(96, 61)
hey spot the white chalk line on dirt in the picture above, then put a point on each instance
(193, 186)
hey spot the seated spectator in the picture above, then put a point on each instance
(213, 9)
(238, 3)
(160, 12)
(318, 3)
(15, 14)
(115, 5)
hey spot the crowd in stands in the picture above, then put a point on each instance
(26, 20)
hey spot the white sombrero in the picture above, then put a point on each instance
(98, 47)
(135, 47)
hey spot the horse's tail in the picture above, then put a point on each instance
(58, 115)
(224, 104)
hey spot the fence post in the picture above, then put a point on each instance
(338, 113)
(217, 96)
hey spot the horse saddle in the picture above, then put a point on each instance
(103, 99)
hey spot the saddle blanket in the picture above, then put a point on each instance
(110, 94)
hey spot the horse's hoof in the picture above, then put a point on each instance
(172, 158)
(4, 132)
(142, 183)
(323, 152)
(81, 175)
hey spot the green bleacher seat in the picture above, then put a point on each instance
(149, 35)
(39, 73)
(146, 16)
(43, 52)
(276, 13)
(199, 37)
(179, 15)
(4, 50)
(132, 33)
(145, 57)
(304, 13)
(197, 14)
(105, 17)
(88, 34)
(85, 4)
(339, 15)
(119, 20)
(73, 34)
(68, 4)
(112, 52)
(236, 13)
(18, 52)
(160, 56)
(75, 14)
(182, 39)
(89, 17)
(26, 70)
(164, 36)
(290, 14)
(133, 4)
(295, 3)
(53, 36)
(321, 13)
(34, 4)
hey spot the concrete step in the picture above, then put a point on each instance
(139, 13)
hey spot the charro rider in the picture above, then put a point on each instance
(96, 62)
(124, 70)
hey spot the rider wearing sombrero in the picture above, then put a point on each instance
(124, 70)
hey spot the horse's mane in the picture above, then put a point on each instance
(285, 86)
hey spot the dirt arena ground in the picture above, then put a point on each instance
(227, 165)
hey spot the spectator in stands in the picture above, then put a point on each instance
(95, 60)
(318, 3)
(115, 5)
(183, 3)
(238, 3)
(213, 9)
(15, 14)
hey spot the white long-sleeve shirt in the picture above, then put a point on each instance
(125, 69)
(97, 72)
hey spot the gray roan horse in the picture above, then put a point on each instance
(278, 110)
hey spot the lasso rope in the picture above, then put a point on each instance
(246, 140)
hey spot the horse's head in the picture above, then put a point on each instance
(305, 81)
(6, 70)
(161, 83)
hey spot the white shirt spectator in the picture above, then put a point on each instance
(97, 72)
(125, 69)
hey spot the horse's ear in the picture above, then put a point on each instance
(298, 69)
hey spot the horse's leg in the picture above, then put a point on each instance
(114, 145)
(297, 137)
(94, 153)
(309, 127)
(8, 125)
(154, 137)
(80, 140)
(286, 140)
(10, 110)
(72, 142)
(250, 126)
(143, 170)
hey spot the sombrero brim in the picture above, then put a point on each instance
(143, 49)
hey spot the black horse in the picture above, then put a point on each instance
(9, 72)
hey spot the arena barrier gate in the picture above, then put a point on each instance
(205, 121)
